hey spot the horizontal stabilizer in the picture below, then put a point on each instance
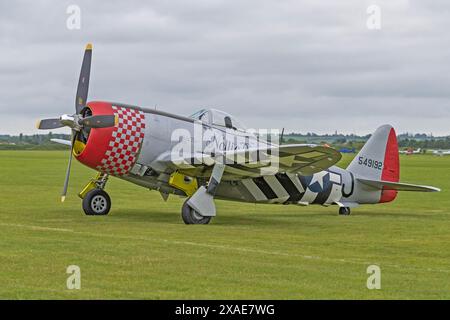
(387, 185)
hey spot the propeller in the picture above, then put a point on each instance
(69, 165)
(83, 81)
(46, 124)
(76, 121)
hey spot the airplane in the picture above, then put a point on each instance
(441, 152)
(162, 151)
(410, 151)
(347, 150)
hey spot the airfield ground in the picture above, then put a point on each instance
(143, 249)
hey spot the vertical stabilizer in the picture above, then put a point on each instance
(379, 160)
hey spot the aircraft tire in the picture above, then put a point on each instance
(344, 211)
(190, 216)
(96, 203)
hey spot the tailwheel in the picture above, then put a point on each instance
(344, 211)
(96, 203)
(190, 216)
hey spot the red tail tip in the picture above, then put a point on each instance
(391, 168)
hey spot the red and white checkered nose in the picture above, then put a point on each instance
(114, 150)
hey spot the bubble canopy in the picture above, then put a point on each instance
(218, 118)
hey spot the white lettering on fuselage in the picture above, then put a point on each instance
(224, 145)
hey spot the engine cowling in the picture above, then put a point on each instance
(112, 150)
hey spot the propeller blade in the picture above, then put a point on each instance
(102, 121)
(66, 181)
(83, 82)
(46, 124)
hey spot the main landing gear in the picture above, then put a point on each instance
(191, 216)
(200, 207)
(96, 202)
(344, 211)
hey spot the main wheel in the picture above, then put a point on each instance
(344, 211)
(96, 203)
(190, 216)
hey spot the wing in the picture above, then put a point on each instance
(304, 159)
(62, 141)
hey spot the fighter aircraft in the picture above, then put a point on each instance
(211, 155)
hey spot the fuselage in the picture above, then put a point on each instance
(131, 151)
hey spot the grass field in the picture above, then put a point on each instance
(143, 250)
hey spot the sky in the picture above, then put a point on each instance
(307, 66)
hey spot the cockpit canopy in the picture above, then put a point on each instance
(218, 118)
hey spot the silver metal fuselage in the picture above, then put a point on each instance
(332, 186)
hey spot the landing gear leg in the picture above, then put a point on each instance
(344, 211)
(96, 202)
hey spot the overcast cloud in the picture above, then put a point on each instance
(304, 65)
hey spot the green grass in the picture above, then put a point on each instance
(143, 250)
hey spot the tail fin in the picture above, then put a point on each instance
(379, 160)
